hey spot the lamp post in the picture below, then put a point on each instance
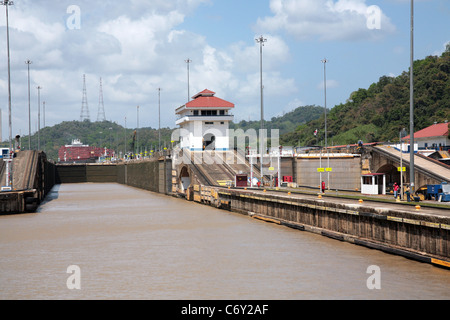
(43, 111)
(325, 111)
(39, 117)
(402, 135)
(110, 141)
(411, 104)
(188, 61)
(159, 119)
(28, 62)
(125, 139)
(261, 41)
(7, 3)
(137, 133)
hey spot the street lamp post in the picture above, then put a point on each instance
(28, 62)
(325, 111)
(137, 134)
(261, 41)
(188, 61)
(43, 111)
(125, 138)
(39, 117)
(110, 141)
(402, 135)
(7, 3)
(159, 119)
(411, 104)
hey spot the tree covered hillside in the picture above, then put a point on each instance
(379, 112)
(288, 122)
(104, 134)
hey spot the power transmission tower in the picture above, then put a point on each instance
(101, 108)
(84, 104)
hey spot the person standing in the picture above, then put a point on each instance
(323, 186)
(395, 190)
(408, 194)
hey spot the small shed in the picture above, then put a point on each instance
(241, 180)
(373, 183)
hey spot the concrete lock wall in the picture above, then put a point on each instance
(152, 175)
(345, 174)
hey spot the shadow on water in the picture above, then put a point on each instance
(52, 195)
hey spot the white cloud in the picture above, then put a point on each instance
(325, 19)
(442, 50)
(135, 48)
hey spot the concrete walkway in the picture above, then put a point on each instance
(352, 198)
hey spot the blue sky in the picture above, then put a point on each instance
(138, 46)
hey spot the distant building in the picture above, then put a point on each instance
(78, 152)
(205, 121)
(434, 137)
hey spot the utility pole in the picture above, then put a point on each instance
(159, 119)
(125, 138)
(43, 110)
(39, 117)
(411, 105)
(188, 61)
(261, 41)
(28, 62)
(7, 3)
(137, 133)
(325, 111)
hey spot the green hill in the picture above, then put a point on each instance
(381, 111)
(100, 134)
(286, 123)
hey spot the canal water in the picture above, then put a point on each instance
(127, 243)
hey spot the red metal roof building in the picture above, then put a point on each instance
(206, 99)
(435, 136)
(204, 122)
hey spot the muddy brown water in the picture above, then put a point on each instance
(134, 244)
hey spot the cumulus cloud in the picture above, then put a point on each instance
(135, 48)
(326, 20)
